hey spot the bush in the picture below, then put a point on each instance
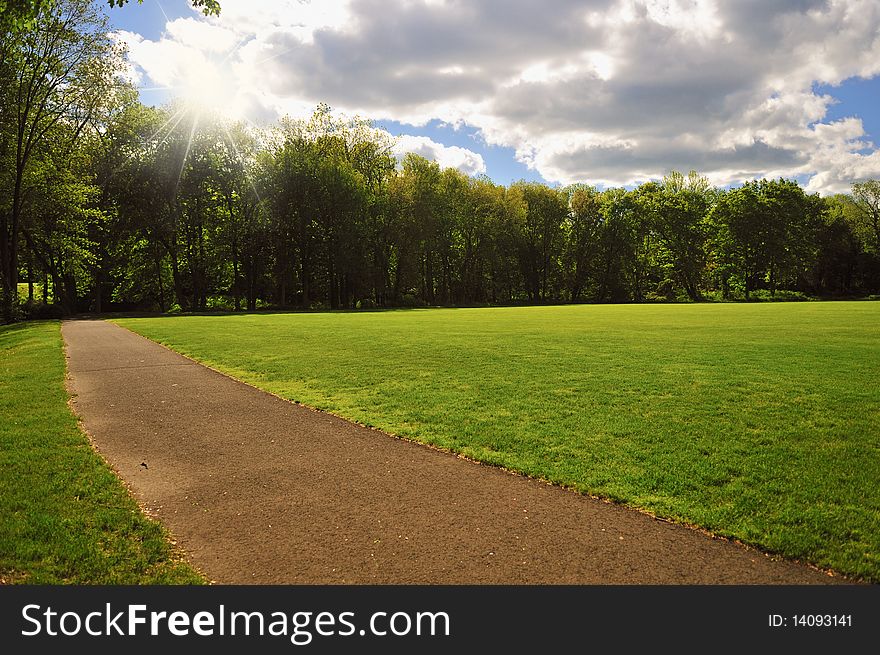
(220, 303)
(366, 303)
(40, 310)
(758, 295)
(410, 300)
(782, 295)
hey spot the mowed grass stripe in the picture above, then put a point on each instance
(757, 422)
(64, 515)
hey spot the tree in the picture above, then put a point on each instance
(124, 260)
(59, 214)
(839, 252)
(234, 174)
(418, 228)
(620, 272)
(866, 196)
(541, 242)
(64, 70)
(481, 211)
(581, 250)
(791, 219)
(737, 223)
(325, 184)
(764, 233)
(676, 212)
(141, 172)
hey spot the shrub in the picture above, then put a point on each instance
(781, 295)
(410, 300)
(40, 310)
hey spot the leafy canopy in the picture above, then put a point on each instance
(18, 15)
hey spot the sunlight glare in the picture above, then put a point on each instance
(207, 88)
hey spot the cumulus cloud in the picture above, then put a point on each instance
(467, 161)
(601, 91)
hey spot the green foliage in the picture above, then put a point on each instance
(584, 222)
(779, 296)
(323, 178)
(411, 300)
(866, 199)
(676, 213)
(754, 421)
(17, 16)
(764, 233)
(64, 515)
(59, 83)
(545, 212)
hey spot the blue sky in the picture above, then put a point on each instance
(501, 163)
(148, 19)
(856, 97)
(608, 92)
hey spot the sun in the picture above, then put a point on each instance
(210, 86)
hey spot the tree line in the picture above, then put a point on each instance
(107, 204)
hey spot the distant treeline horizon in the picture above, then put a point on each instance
(109, 204)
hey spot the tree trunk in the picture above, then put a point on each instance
(9, 241)
(236, 291)
(179, 292)
(4, 268)
(429, 277)
(30, 274)
(69, 302)
(159, 281)
(56, 288)
(306, 276)
(251, 286)
(332, 280)
(398, 281)
(98, 294)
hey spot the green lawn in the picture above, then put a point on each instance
(759, 422)
(64, 516)
(23, 291)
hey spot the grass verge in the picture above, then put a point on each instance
(65, 518)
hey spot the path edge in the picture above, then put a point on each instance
(176, 552)
(748, 547)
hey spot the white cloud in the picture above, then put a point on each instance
(603, 91)
(301, 18)
(201, 36)
(467, 161)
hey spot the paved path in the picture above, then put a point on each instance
(259, 490)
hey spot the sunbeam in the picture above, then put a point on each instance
(241, 160)
(192, 133)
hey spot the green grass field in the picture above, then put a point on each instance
(758, 422)
(64, 515)
(23, 291)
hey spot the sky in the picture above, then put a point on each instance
(603, 92)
